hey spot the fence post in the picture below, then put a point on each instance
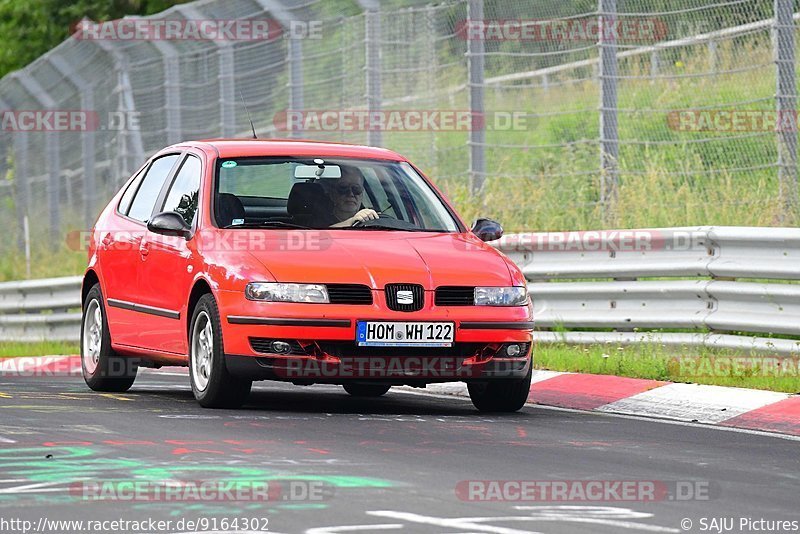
(225, 63)
(51, 154)
(126, 105)
(786, 103)
(294, 57)
(609, 135)
(295, 80)
(372, 36)
(19, 147)
(86, 90)
(170, 60)
(477, 131)
(227, 96)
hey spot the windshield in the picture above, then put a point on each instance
(326, 192)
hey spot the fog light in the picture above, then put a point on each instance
(281, 347)
(513, 350)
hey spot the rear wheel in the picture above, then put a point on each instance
(501, 395)
(366, 390)
(212, 385)
(103, 369)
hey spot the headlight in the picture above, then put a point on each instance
(278, 292)
(501, 296)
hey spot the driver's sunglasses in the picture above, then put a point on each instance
(356, 190)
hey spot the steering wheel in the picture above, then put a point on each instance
(359, 224)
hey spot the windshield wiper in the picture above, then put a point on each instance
(267, 224)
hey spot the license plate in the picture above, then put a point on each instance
(403, 334)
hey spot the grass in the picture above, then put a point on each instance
(43, 348)
(718, 367)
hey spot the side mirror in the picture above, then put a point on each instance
(169, 223)
(487, 229)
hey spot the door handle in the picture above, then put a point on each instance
(107, 240)
(144, 250)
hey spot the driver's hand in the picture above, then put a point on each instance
(367, 214)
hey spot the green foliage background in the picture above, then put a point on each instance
(32, 27)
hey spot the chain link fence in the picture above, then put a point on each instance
(544, 114)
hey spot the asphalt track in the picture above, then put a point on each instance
(378, 465)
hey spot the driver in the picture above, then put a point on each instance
(346, 193)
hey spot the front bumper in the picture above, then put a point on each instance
(324, 348)
(395, 370)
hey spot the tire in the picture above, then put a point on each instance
(501, 396)
(102, 368)
(366, 390)
(212, 384)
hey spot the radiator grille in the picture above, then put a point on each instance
(349, 294)
(398, 294)
(455, 296)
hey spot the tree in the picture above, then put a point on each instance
(32, 27)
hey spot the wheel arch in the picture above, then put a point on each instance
(201, 287)
(90, 278)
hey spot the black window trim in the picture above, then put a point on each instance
(148, 165)
(161, 200)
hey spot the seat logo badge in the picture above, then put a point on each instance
(405, 297)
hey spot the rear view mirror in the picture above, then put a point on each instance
(310, 171)
(487, 229)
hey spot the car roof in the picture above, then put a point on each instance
(234, 148)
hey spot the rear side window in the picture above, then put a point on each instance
(127, 196)
(182, 196)
(153, 181)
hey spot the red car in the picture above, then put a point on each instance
(304, 262)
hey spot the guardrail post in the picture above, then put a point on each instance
(372, 36)
(477, 131)
(786, 103)
(609, 135)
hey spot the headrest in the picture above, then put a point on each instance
(306, 198)
(229, 208)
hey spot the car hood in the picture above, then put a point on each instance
(376, 258)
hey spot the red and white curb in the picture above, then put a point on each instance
(750, 409)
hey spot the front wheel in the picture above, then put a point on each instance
(366, 390)
(102, 368)
(212, 384)
(501, 395)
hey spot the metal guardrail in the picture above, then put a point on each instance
(710, 281)
(36, 310)
(605, 280)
